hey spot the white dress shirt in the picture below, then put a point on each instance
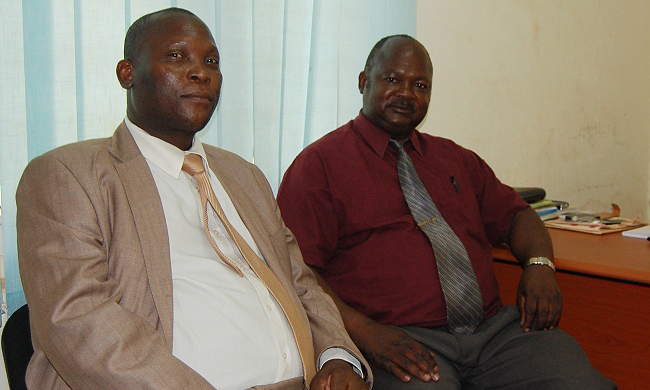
(227, 328)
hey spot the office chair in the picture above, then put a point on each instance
(17, 347)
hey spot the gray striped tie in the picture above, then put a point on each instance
(457, 278)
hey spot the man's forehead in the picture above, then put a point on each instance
(175, 23)
(172, 17)
(400, 54)
(398, 47)
(169, 28)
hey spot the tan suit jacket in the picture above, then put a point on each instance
(95, 265)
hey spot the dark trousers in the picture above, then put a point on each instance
(500, 355)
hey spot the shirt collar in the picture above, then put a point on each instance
(164, 155)
(379, 139)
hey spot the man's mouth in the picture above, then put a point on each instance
(198, 97)
(405, 108)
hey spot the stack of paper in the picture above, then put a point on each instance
(546, 213)
(642, 232)
(548, 209)
(595, 227)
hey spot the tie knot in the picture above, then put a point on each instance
(193, 164)
(398, 143)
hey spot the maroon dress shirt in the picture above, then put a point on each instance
(342, 199)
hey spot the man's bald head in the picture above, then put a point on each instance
(375, 53)
(139, 30)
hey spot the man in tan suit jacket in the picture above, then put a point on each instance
(94, 248)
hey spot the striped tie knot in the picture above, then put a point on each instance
(193, 164)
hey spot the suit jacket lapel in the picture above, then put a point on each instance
(243, 204)
(149, 219)
(261, 235)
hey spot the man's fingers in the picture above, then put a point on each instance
(539, 299)
(436, 372)
(416, 366)
(557, 312)
(542, 315)
(421, 363)
(530, 310)
(395, 370)
(341, 382)
(553, 313)
(522, 310)
(337, 375)
(397, 353)
(545, 315)
(556, 320)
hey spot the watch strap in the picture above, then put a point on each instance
(540, 261)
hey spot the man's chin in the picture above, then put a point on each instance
(396, 125)
(398, 131)
(403, 123)
(194, 125)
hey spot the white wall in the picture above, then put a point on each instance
(551, 93)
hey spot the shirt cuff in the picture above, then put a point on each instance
(340, 353)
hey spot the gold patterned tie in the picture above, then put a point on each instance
(193, 165)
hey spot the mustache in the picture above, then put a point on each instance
(403, 104)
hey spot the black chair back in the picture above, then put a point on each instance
(17, 347)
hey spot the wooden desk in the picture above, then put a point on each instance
(605, 283)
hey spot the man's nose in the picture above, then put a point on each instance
(199, 71)
(406, 90)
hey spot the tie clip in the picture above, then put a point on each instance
(428, 221)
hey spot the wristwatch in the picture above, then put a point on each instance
(540, 261)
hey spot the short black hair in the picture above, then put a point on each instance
(139, 29)
(374, 53)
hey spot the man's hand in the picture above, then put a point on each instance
(393, 350)
(539, 299)
(337, 374)
(385, 346)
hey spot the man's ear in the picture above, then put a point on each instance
(363, 79)
(125, 73)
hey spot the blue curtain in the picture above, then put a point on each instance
(290, 72)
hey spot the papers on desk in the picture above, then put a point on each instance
(549, 209)
(547, 213)
(594, 223)
(595, 227)
(642, 232)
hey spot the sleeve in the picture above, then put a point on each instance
(341, 354)
(498, 203)
(308, 208)
(77, 322)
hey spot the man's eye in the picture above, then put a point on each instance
(174, 55)
(421, 86)
(390, 79)
(214, 61)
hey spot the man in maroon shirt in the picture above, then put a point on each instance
(342, 199)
